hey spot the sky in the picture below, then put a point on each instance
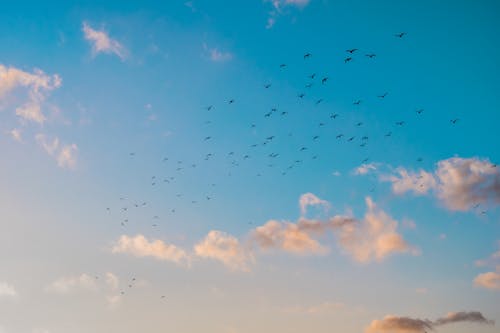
(242, 166)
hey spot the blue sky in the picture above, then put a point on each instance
(128, 204)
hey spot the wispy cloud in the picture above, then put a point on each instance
(366, 168)
(489, 280)
(102, 43)
(395, 324)
(64, 154)
(69, 284)
(279, 6)
(217, 55)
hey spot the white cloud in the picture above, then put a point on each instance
(69, 284)
(366, 168)
(7, 290)
(37, 84)
(225, 248)
(102, 43)
(309, 199)
(459, 183)
(139, 246)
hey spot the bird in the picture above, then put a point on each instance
(207, 138)
(282, 65)
(351, 138)
(346, 60)
(359, 124)
(400, 35)
(312, 76)
(351, 51)
(383, 95)
(333, 116)
(231, 101)
(301, 95)
(454, 121)
(316, 137)
(371, 55)
(357, 102)
(388, 134)
(267, 85)
(419, 111)
(309, 85)
(307, 55)
(400, 123)
(209, 107)
(319, 101)
(323, 81)
(339, 136)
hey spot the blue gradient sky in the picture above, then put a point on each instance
(180, 57)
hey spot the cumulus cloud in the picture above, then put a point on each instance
(102, 43)
(7, 290)
(488, 280)
(288, 237)
(140, 246)
(372, 238)
(309, 199)
(37, 85)
(459, 183)
(394, 324)
(64, 154)
(69, 284)
(225, 248)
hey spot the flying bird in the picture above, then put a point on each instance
(346, 60)
(323, 81)
(400, 35)
(371, 55)
(307, 55)
(351, 51)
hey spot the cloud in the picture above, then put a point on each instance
(216, 55)
(394, 324)
(64, 154)
(139, 246)
(102, 43)
(457, 317)
(322, 308)
(288, 237)
(459, 183)
(488, 280)
(7, 290)
(279, 6)
(220, 246)
(69, 284)
(112, 281)
(309, 199)
(37, 84)
(364, 169)
(16, 134)
(372, 238)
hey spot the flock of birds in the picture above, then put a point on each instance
(235, 158)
